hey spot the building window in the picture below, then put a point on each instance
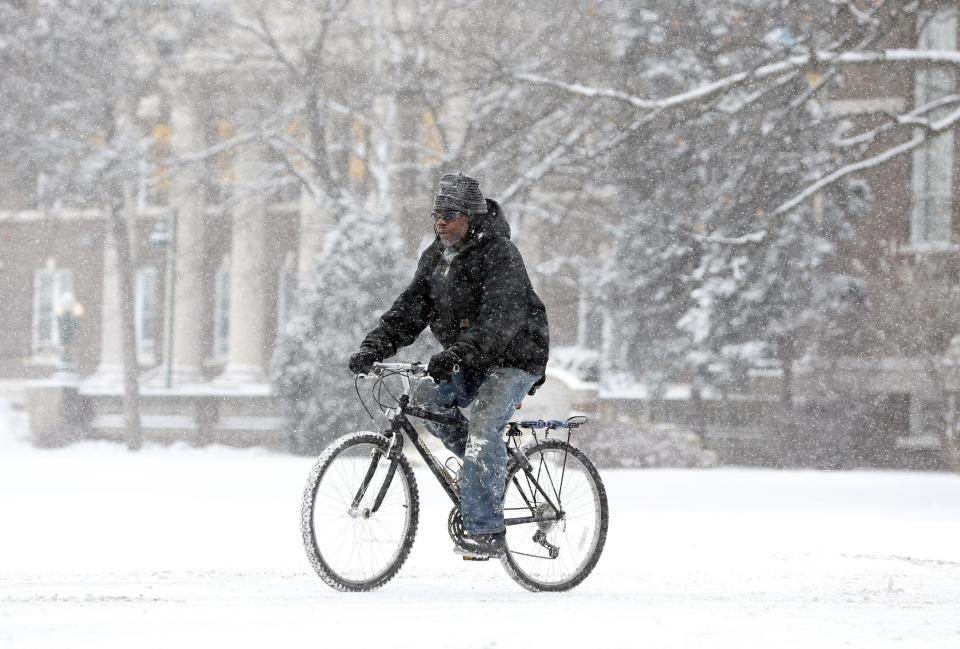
(358, 164)
(155, 177)
(147, 314)
(286, 290)
(221, 311)
(220, 172)
(51, 286)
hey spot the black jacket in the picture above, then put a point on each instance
(481, 305)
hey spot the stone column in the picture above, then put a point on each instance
(110, 369)
(246, 356)
(187, 203)
(394, 192)
(931, 221)
(412, 207)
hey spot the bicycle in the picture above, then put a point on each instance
(361, 504)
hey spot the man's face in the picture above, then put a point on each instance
(453, 231)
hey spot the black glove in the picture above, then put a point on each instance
(441, 365)
(536, 386)
(363, 360)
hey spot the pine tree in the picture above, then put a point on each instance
(354, 279)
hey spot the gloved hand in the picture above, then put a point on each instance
(441, 365)
(536, 386)
(363, 360)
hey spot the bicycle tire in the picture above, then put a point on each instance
(335, 478)
(515, 560)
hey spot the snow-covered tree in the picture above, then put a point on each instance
(728, 143)
(355, 277)
(783, 295)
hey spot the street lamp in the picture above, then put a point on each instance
(68, 313)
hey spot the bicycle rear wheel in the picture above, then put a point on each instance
(350, 547)
(554, 553)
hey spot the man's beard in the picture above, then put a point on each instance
(449, 241)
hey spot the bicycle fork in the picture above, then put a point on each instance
(393, 453)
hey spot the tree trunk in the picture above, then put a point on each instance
(948, 438)
(699, 413)
(120, 231)
(787, 424)
(786, 388)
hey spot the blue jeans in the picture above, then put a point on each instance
(494, 396)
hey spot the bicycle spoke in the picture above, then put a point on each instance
(575, 537)
(358, 545)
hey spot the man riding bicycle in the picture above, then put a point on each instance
(471, 287)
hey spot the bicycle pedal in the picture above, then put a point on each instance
(468, 557)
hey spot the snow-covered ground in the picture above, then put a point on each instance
(183, 547)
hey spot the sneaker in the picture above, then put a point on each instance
(482, 546)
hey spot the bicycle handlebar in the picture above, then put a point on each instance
(413, 369)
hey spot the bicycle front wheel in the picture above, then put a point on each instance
(351, 547)
(547, 549)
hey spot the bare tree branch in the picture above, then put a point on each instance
(265, 34)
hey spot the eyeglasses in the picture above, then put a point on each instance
(446, 216)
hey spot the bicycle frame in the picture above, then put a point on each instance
(400, 426)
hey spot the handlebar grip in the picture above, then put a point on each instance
(456, 368)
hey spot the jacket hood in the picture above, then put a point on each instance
(492, 224)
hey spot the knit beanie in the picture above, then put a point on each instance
(460, 193)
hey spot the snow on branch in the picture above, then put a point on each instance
(702, 92)
(946, 122)
(753, 237)
(211, 151)
(851, 168)
(826, 58)
(711, 89)
(539, 170)
(932, 128)
(914, 117)
(861, 16)
(951, 57)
